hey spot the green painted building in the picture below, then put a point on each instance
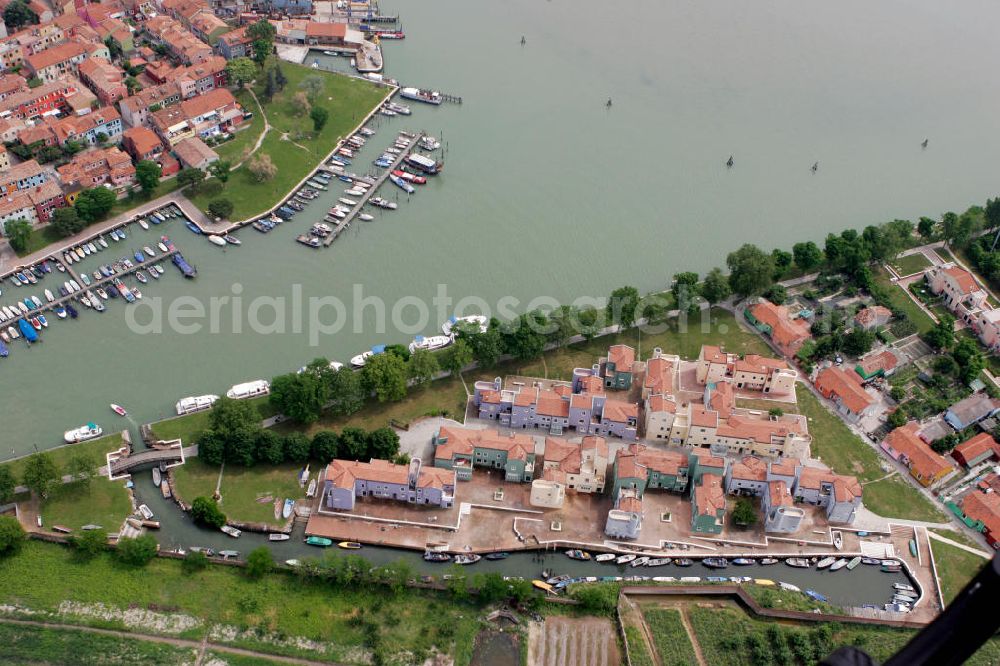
(462, 450)
(708, 505)
(616, 368)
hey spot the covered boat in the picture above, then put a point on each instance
(83, 433)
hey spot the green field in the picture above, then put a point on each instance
(232, 150)
(185, 428)
(101, 502)
(672, 642)
(291, 144)
(637, 651)
(902, 301)
(955, 567)
(241, 486)
(96, 449)
(910, 264)
(279, 606)
(43, 645)
(896, 498)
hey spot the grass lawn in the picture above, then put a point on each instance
(672, 642)
(187, 427)
(835, 444)
(44, 575)
(240, 488)
(95, 448)
(74, 505)
(44, 236)
(637, 651)
(348, 101)
(37, 645)
(910, 264)
(955, 567)
(901, 300)
(960, 537)
(232, 150)
(896, 498)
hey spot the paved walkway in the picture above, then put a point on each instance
(969, 549)
(200, 646)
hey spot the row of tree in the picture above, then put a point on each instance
(42, 474)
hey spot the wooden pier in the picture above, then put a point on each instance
(454, 99)
(370, 192)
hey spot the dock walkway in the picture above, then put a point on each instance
(370, 192)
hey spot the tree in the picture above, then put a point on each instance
(190, 178)
(234, 424)
(211, 448)
(81, 467)
(241, 71)
(346, 391)
(777, 294)
(12, 536)
(422, 366)
(66, 221)
(597, 598)
(147, 174)
(137, 552)
(301, 105)
(942, 336)
(325, 446)
(90, 543)
(685, 289)
(259, 562)
(622, 305)
(319, 117)
(205, 511)
(17, 15)
(486, 347)
(299, 396)
(194, 561)
(269, 447)
(743, 513)
(970, 359)
(782, 262)
(297, 447)
(353, 443)
(312, 86)
(457, 357)
(926, 227)
(18, 232)
(385, 376)
(262, 168)
(262, 34)
(897, 418)
(270, 84)
(7, 484)
(858, 342)
(991, 214)
(93, 204)
(220, 208)
(751, 270)
(220, 170)
(41, 474)
(132, 85)
(383, 443)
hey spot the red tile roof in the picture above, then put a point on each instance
(975, 447)
(709, 498)
(462, 441)
(55, 54)
(785, 331)
(926, 462)
(966, 282)
(750, 468)
(984, 507)
(778, 493)
(622, 356)
(619, 411)
(834, 381)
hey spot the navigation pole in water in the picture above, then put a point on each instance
(815, 167)
(729, 162)
(924, 143)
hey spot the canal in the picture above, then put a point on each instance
(547, 191)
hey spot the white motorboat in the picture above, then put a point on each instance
(604, 557)
(278, 537)
(48, 296)
(366, 217)
(148, 250)
(103, 243)
(145, 511)
(481, 321)
(217, 240)
(431, 343)
(83, 433)
(163, 248)
(625, 559)
(825, 562)
(196, 403)
(144, 224)
(347, 202)
(231, 531)
(249, 390)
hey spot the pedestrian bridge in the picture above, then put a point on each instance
(121, 462)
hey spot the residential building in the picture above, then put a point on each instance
(235, 44)
(4, 158)
(56, 61)
(103, 166)
(970, 411)
(104, 124)
(20, 177)
(36, 38)
(46, 198)
(48, 99)
(16, 206)
(462, 449)
(872, 317)
(925, 465)
(749, 373)
(876, 364)
(987, 327)
(288, 7)
(546, 493)
(11, 84)
(786, 332)
(581, 466)
(142, 143)
(981, 510)
(662, 419)
(840, 495)
(958, 288)
(201, 77)
(138, 109)
(106, 80)
(844, 389)
(194, 154)
(661, 374)
(333, 34)
(747, 476)
(11, 54)
(624, 521)
(781, 516)
(642, 468)
(347, 480)
(618, 368)
(976, 450)
(708, 505)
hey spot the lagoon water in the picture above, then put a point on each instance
(549, 192)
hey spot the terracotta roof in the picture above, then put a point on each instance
(778, 493)
(551, 403)
(622, 356)
(923, 459)
(192, 151)
(238, 36)
(761, 365)
(750, 468)
(637, 458)
(659, 403)
(783, 468)
(704, 418)
(884, 360)
(317, 29)
(592, 384)
(723, 399)
(143, 139)
(709, 498)
(868, 316)
(708, 459)
(977, 446)
(659, 375)
(462, 441)
(845, 488)
(784, 330)
(846, 386)
(629, 504)
(210, 101)
(569, 455)
(619, 411)
(490, 396)
(963, 278)
(714, 354)
(55, 54)
(581, 401)
(984, 507)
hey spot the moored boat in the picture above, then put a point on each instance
(436, 556)
(577, 554)
(838, 565)
(625, 559)
(683, 562)
(349, 545)
(715, 562)
(497, 556)
(742, 561)
(278, 536)
(471, 558)
(157, 477)
(217, 240)
(855, 561)
(287, 508)
(145, 512)
(813, 594)
(766, 561)
(83, 433)
(231, 531)
(825, 562)
(604, 557)
(196, 403)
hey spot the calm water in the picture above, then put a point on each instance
(547, 191)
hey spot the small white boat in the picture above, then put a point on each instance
(145, 511)
(118, 409)
(604, 557)
(48, 296)
(366, 217)
(157, 477)
(430, 343)
(347, 202)
(838, 565)
(825, 562)
(311, 490)
(231, 531)
(789, 587)
(148, 250)
(83, 433)
(625, 559)
(103, 243)
(163, 248)
(217, 240)
(144, 224)
(277, 537)
(481, 321)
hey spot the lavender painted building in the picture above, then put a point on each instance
(347, 480)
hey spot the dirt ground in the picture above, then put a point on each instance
(563, 641)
